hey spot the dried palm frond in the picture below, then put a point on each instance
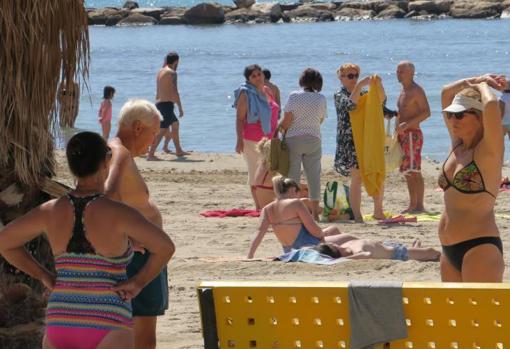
(41, 44)
(54, 189)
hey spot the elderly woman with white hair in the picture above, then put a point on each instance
(470, 178)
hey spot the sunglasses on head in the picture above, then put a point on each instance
(460, 115)
(351, 76)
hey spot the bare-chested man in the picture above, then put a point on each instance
(352, 247)
(138, 127)
(167, 96)
(413, 108)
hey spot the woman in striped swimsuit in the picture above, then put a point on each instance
(89, 306)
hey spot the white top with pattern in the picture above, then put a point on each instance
(308, 109)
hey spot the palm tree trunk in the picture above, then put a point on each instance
(41, 44)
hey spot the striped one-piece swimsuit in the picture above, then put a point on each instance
(83, 296)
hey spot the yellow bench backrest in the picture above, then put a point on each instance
(288, 315)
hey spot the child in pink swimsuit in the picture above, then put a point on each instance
(105, 111)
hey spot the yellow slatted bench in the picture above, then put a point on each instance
(310, 315)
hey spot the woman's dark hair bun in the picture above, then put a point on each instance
(85, 152)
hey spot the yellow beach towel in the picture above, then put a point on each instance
(367, 122)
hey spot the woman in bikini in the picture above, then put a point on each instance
(264, 193)
(89, 234)
(470, 178)
(291, 220)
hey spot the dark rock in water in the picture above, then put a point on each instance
(113, 20)
(154, 12)
(175, 12)
(325, 6)
(172, 20)
(244, 15)
(244, 3)
(431, 6)
(471, 9)
(375, 5)
(130, 5)
(205, 13)
(137, 19)
(354, 14)
(391, 12)
(100, 16)
(289, 7)
(258, 13)
(310, 13)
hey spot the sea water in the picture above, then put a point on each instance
(213, 59)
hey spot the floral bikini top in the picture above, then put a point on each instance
(468, 180)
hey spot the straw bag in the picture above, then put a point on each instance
(279, 155)
(392, 151)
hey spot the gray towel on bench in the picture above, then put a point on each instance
(376, 313)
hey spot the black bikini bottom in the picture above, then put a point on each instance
(455, 253)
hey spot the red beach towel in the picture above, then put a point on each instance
(235, 212)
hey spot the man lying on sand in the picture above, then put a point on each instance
(352, 247)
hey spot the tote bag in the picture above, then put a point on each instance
(336, 202)
(392, 151)
(279, 155)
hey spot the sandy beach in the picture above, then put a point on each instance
(214, 249)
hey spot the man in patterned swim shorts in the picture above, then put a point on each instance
(413, 108)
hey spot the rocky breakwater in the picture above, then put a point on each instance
(248, 11)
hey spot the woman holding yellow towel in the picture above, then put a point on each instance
(346, 160)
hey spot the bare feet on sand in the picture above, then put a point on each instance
(168, 151)
(153, 158)
(378, 216)
(183, 153)
(414, 210)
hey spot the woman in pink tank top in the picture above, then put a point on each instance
(249, 134)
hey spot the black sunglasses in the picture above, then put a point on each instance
(460, 115)
(351, 76)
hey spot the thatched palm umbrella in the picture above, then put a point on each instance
(41, 43)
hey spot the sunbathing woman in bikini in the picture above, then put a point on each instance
(292, 222)
(89, 234)
(470, 178)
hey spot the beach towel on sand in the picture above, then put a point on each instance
(367, 122)
(235, 212)
(308, 255)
